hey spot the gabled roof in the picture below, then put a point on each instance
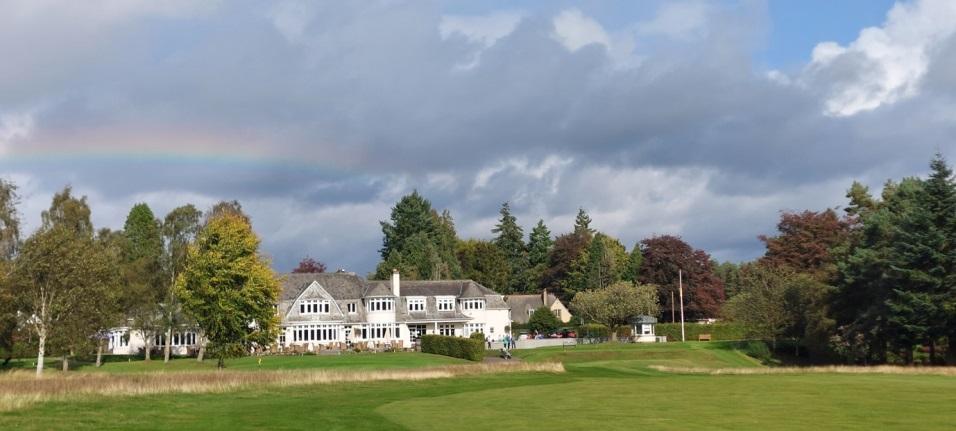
(338, 285)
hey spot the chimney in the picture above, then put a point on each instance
(396, 282)
(544, 297)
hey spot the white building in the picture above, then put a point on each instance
(124, 341)
(342, 308)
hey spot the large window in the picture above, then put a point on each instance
(471, 328)
(446, 303)
(379, 331)
(310, 333)
(416, 304)
(380, 304)
(473, 304)
(446, 329)
(313, 306)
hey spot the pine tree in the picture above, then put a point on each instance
(418, 241)
(539, 248)
(607, 262)
(582, 224)
(539, 244)
(510, 240)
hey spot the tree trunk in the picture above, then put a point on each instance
(202, 346)
(41, 350)
(147, 346)
(796, 347)
(169, 341)
(66, 363)
(222, 362)
(99, 353)
(932, 352)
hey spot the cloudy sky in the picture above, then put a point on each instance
(701, 119)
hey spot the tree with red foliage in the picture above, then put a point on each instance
(806, 240)
(703, 290)
(309, 266)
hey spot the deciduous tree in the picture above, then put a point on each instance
(615, 305)
(664, 256)
(228, 288)
(308, 265)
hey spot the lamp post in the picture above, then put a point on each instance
(680, 284)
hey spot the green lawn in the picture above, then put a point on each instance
(605, 387)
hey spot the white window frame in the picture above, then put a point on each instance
(314, 306)
(446, 329)
(445, 303)
(380, 304)
(416, 303)
(351, 307)
(471, 328)
(472, 304)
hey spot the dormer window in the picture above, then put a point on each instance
(473, 304)
(351, 307)
(416, 304)
(313, 306)
(445, 303)
(380, 304)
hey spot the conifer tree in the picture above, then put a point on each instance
(510, 240)
(539, 248)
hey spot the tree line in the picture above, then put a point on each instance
(875, 284)
(66, 285)
(422, 243)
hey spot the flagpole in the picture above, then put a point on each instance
(680, 281)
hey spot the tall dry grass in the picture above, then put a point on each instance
(22, 388)
(829, 369)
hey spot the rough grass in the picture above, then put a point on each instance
(831, 369)
(20, 389)
(607, 387)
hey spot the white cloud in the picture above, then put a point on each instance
(483, 29)
(888, 61)
(575, 30)
(14, 127)
(291, 18)
(679, 20)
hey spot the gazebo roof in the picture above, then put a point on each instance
(643, 319)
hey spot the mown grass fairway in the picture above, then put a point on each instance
(605, 387)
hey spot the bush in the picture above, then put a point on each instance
(593, 330)
(480, 336)
(543, 321)
(717, 331)
(465, 348)
(755, 349)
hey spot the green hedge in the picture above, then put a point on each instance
(456, 347)
(717, 331)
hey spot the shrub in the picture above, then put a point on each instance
(480, 336)
(755, 349)
(593, 330)
(456, 347)
(543, 321)
(717, 331)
